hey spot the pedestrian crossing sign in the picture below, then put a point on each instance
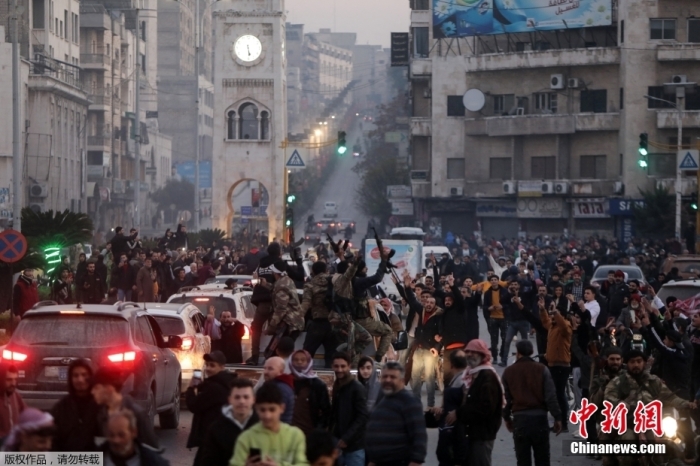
(295, 160)
(688, 160)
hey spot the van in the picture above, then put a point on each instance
(407, 233)
(330, 209)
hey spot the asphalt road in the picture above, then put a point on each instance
(341, 187)
(174, 441)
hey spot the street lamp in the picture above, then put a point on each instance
(680, 95)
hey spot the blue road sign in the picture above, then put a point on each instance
(295, 160)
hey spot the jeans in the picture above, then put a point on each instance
(124, 295)
(263, 311)
(560, 376)
(353, 458)
(479, 453)
(515, 327)
(576, 373)
(424, 365)
(531, 434)
(496, 326)
(403, 354)
(320, 333)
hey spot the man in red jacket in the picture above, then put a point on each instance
(25, 294)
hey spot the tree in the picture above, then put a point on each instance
(656, 219)
(177, 193)
(381, 166)
(61, 229)
(207, 237)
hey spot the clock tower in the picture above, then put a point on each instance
(250, 117)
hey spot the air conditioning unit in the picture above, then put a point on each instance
(457, 191)
(520, 111)
(547, 187)
(510, 187)
(37, 208)
(556, 81)
(573, 83)
(619, 187)
(561, 187)
(679, 79)
(38, 190)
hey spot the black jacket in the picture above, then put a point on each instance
(262, 294)
(482, 409)
(674, 362)
(123, 278)
(206, 404)
(349, 414)
(220, 439)
(147, 456)
(455, 323)
(319, 401)
(230, 343)
(119, 245)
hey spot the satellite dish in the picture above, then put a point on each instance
(474, 100)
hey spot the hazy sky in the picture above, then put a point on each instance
(372, 20)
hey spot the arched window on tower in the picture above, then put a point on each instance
(264, 125)
(249, 121)
(231, 123)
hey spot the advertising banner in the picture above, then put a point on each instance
(399, 49)
(462, 18)
(590, 208)
(408, 256)
(541, 208)
(186, 171)
(624, 207)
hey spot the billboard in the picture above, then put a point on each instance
(462, 18)
(186, 171)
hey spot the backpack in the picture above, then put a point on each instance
(338, 304)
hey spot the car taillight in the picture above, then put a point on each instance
(118, 358)
(246, 335)
(13, 356)
(187, 343)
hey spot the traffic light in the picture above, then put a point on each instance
(289, 211)
(643, 150)
(694, 201)
(342, 144)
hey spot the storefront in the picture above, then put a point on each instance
(622, 211)
(498, 219)
(542, 215)
(456, 216)
(591, 216)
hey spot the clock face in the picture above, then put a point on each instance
(247, 48)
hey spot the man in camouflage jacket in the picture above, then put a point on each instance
(314, 301)
(287, 317)
(632, 386)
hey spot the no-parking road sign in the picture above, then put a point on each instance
(13, 246)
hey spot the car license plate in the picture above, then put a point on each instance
(61, 373)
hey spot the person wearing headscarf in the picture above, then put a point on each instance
(32, 433)
(483, 404)
(76, 414)
(312, 404)
(369, 378)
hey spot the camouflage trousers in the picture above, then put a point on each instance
(349, 333)
(379, 329)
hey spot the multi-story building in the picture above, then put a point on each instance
(55, 107)
(548, 139)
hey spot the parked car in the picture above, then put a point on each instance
(328, 226)
(187, 321)
(243, 280)
(123, 336)
(681, 289)
(330, 209)
(237, 301)
(688, 266)
(343, 224)
(632, 272)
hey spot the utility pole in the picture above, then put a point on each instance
(680, 94)
(17, 162)
(137, 124)
(197, 31)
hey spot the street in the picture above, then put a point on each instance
(340, 187)
(174, 441)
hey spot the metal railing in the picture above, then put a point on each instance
(62, 71)
(98, 141)
(91, 58)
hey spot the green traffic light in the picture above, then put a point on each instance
(643, 163)
(291, 198)
(288, 223)
(643, 151)
(342, 150)
(694, 206)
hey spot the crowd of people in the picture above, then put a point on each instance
(525, 290)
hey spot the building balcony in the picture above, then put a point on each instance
(101, 100)
(95, 61)
(99, 143)
(678, 52)
(544, 59)
(668, 119)
(100, 174)
(421, 126)
(526, 125)
(421, 67)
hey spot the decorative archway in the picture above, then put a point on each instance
(247, 200)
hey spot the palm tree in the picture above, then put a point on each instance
(656, 219)
(60, 229)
